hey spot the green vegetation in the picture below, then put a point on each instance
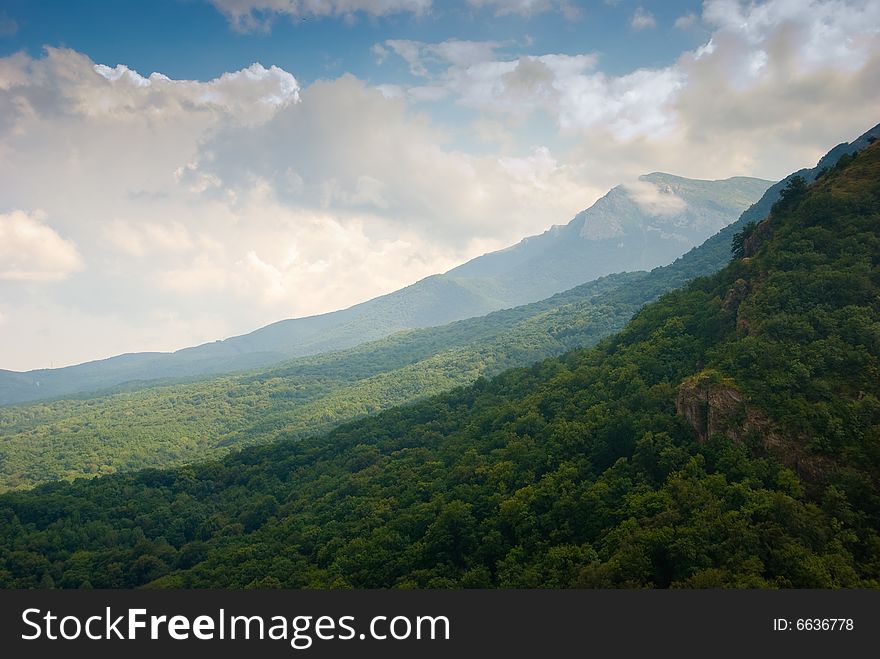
(585, 470)
(533, 270)
(176, 424)
(738, 248)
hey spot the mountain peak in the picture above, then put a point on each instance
(672, 208)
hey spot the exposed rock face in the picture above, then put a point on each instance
(762, 233)
(737, 293)
(710, 404)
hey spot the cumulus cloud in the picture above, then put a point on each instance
(821, 33)
(642, 19)
(778, 73)
(357, 150)
(249, 15)
(768, 80)
(66, 82)
(183, 203)
(306, 262)
(566, 87)
(205, 209)
(250, 94)
(32, 251)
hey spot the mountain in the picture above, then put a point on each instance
(727, 437)
(634, 227)
(180, 423)
(174, 424)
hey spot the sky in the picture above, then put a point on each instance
(173, 172)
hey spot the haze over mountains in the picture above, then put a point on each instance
(180, 423)
(634, 227)
(726, 437)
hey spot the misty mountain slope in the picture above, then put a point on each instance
(632, 228)
(168, 425)
(728, 436)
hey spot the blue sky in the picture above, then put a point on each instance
(192, 39)
(292, 157)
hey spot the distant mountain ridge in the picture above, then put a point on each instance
(169, 425)
(727, 437)
(646, 224)
(634, 227)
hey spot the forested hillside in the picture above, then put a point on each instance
(619, 233)
(170, 425)
(176, 424)
(729, 436)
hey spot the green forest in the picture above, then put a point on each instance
(728, 436)
(175, 424)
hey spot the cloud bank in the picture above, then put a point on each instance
(31, 251)
(140, 212)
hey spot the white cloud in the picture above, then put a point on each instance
(140, 239)
(66, 82)
(183, 204)
(779, 72)
(307, 262)
(566, 87)
(823, 33)
(642, 19)
(250, 94)
(380, 52)
(205, 209)
(654, 199)
(421, 56)
(410, 51)
(360, 152)
(769, 71)
(248, 15)
(637, 104)
(31, 251)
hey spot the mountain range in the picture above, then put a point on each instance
(172, 424)
(634, 227)
(726, 437)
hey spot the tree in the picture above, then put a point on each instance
(738, 246)
(791, 194)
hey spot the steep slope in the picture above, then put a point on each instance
(633, 227)
(175, 424)
(728, 437)
(629, 229)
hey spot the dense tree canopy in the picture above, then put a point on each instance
(174, 424)
(577, 471)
